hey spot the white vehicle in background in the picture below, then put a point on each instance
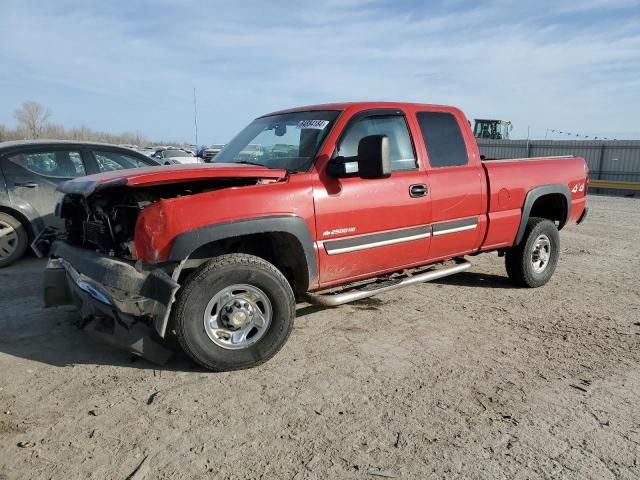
(168, 156)
(148, 151)
(212, 151)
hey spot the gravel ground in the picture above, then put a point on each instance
(467, 377)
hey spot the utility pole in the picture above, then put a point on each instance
(195, 115)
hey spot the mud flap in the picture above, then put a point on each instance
(583, 215)
(137, 339)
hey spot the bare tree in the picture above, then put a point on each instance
(33, 122)
(33, 117)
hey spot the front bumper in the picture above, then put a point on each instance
(108, 287)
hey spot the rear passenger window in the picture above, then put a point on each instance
(442, 136)
(108, 161)
(394, 127)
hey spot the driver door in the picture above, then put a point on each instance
(368, 226)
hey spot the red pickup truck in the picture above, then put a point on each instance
(327, 203)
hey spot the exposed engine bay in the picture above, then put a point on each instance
(105, 220)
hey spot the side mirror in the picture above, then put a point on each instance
(374, 157)
(373, 160)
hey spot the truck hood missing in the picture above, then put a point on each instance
(164, 175)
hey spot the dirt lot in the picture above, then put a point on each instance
(468, 377)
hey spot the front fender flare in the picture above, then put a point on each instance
(186, 243)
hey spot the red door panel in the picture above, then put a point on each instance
(456, 213)
(456, 182)
(369, 226)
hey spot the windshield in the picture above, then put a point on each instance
(502, 130)
(289, 140)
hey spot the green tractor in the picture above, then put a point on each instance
(493, 129)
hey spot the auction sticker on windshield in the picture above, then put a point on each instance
(315, 124)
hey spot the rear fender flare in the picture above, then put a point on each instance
(188, 242)
(533, 195)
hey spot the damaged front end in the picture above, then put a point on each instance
(124, 298)
(117, 301)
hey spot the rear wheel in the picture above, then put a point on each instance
(13, 239)
(533, 261)
(234, 312)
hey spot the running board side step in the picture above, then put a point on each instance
(340, 298)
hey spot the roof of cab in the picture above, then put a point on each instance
(361, 106)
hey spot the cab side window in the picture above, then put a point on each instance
(108, 161)
(394, 127)
(443, 139)
(60, 163)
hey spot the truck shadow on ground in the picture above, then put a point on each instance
(477, 279)
(71, 346)
(61, 343)
(51, 337)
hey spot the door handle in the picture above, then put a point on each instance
(418, 190)
(26, 184)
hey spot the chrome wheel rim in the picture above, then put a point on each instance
(540, 254)
(237, 317)
(8, 240)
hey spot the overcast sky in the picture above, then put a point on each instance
(128, 65)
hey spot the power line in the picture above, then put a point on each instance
(578, 135)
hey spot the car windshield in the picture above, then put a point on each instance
(288, 140)
(176, 153)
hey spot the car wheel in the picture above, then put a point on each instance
(14, 239)
(234, 312)
(532, 262)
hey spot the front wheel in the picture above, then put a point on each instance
(234, 312)
(532, 262)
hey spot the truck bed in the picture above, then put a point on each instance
(509, 182)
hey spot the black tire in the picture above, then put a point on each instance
(14, 250)
(214, 276)
(519, 260)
